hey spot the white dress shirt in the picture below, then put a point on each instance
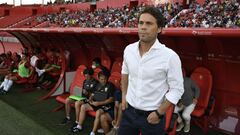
(154, 76)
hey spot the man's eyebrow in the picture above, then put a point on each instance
(148, 22)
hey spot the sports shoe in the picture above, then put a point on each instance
(65, 121)
(180, 126)
(113, 131)
(186, 128)
(100, 130)
(76, 129)
(74, 125)
(92, 133)
(3, 92)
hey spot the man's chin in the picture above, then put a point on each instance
(143, 40)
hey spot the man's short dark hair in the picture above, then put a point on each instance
(155, 12)
(97, 60)
(105, 73)
(88, 71)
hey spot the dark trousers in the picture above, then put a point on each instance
(135, 122)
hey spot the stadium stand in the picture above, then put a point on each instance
(120, 14)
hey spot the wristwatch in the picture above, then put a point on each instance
(160, 116)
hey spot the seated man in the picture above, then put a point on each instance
(11, 65)
(106, 118)
(100, 101)
(96, 63)
(53, 64)
(187, 104)
(22, 73)
(51, 71)
(89, 86)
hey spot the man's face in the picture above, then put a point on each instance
(102, 79)
(147, 28)
(94, 65)
(87, 76)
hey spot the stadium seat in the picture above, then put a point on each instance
(105, 60)
(77, 81)
(33, 78)
(171, 121)
(117, 65)
(28, 82)
(21, 81)
(115, 78)
(201, 113)
(91, 113)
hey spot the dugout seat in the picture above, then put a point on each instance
(77, 81)
(204, 108)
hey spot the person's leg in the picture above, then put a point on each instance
(68, 107)
(4, 82)
(119, 116)
(177, 109)
(99, 112)
(127, 124)
(78, 105)
(8, 86)
(82, 115)
(180, 125)
(67, 111)
(9, 83)
(187, 116)
(3, 85)
(83, 110)
(106, 120)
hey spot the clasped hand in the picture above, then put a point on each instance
(153, 118)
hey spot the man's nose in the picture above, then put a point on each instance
(143, 26)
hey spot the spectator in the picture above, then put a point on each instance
(187, 104)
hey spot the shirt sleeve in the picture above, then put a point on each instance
(124, 64)
(174, 79)
(111, 90)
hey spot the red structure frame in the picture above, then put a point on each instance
(216, 49)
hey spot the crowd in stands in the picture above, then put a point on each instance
(28, 65)
(59, 2)
(223, 14)
(105, 18)
(211, 14)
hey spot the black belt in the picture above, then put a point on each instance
(140, 112)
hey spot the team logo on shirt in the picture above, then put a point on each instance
(106, 89)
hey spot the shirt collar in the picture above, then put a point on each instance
(157, 45)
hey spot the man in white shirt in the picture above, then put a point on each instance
(151, 79)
